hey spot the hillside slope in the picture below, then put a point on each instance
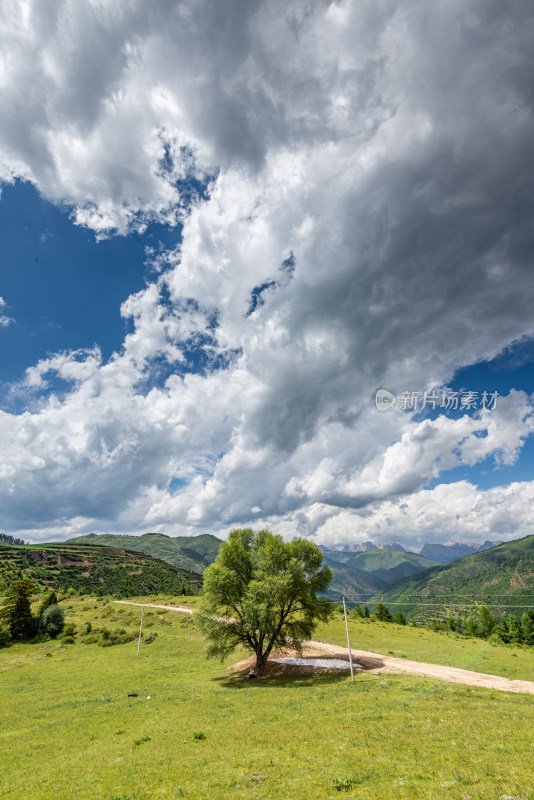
(388, 566)
(501, 578)
(351, 582)
(193, 553)
(93, 570)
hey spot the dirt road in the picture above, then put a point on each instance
(378, 663)
(375, 662)
(181, 609)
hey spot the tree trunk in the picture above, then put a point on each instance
(261, 660)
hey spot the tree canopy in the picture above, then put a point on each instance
(16, 610)
(261, 592)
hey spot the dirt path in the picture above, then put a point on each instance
(378, 663)
(375, 662)
(181, 609)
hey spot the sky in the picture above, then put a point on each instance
(226, 227)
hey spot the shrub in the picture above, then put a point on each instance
(92, 639)
(52, 621)
(120, 636)
(69, 629)
(50, 600)
(5, 634)
(471, 627)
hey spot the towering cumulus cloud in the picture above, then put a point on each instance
(352, 182)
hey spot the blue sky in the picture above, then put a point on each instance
(65, 288)
(210, 265)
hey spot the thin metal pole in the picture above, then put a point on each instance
(140, 629)
(348, 640)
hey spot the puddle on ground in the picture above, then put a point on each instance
(330, 663)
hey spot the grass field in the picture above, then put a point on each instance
(71, 731)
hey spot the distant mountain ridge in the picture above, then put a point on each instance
(442, 553)
(450, 551)
(384, 567)
(500, 577)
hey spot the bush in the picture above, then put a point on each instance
(69, 629)
(5, 634)
(52, 621)
(50, 600)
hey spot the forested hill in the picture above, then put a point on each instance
(193, 553)
(93, 570)
(501, 578)
(386, 565)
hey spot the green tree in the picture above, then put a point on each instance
(514, 631)
(487, 623)
(50, 600)
(400, 619)
(52, 621)
(16, 611)
(358, 611)
(451, 623)
(471, 627)
(261, 592)
(527, 627)
(382, 613)
(366, 613)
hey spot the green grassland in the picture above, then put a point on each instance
(70, 730)
(418, 644)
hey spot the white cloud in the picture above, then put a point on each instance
(458, 511)
(5, 321)
(367, 224)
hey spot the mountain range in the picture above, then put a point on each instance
(443, 553)
(359, 570)
(498, 575)
(501, 578)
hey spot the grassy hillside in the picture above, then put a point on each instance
(351, 582)
(193, 553)
(386, 565)
(501, 578)
(91, 569)
(391, 737)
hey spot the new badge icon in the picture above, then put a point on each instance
(384, 400)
